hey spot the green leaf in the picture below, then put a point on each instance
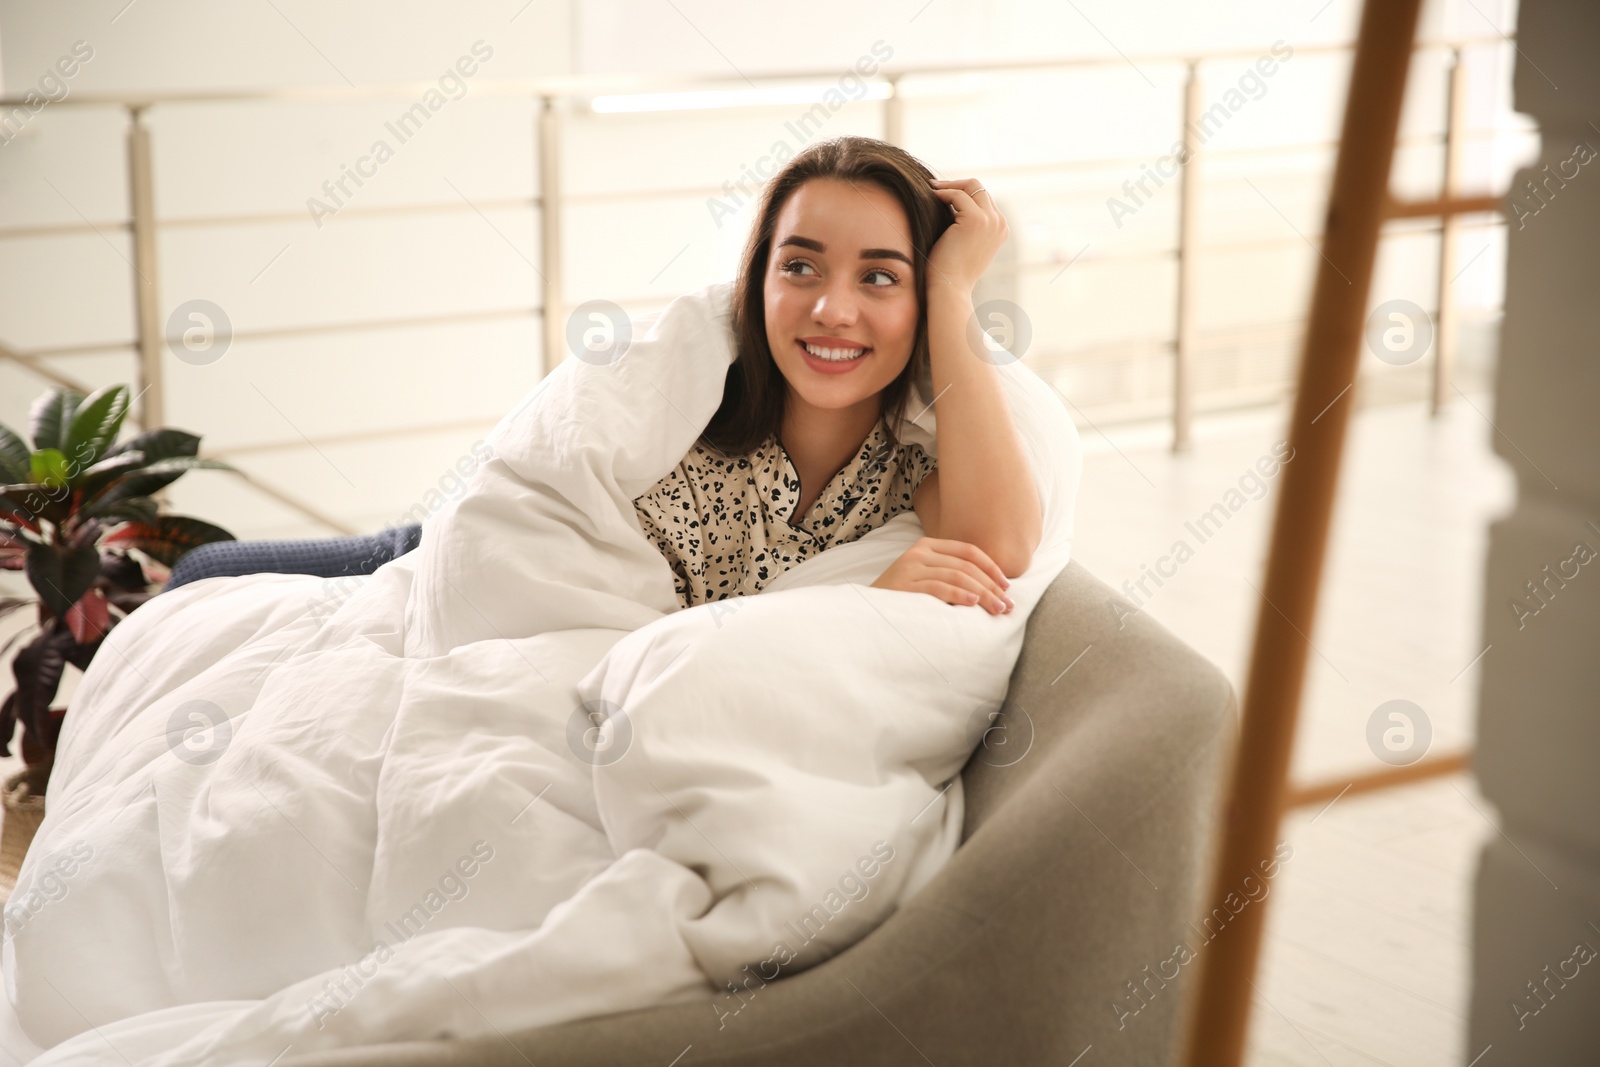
(27, 503)
(15, 457)
(187, 463)
(95, 425)
(13, 552)
(135, 509)
(169, 538)
(157, 475)
(61, 575)
(122, 461)
(15, 506)
(120, 571)
(159, 444)
(50, 416)
(126, 602)
(108, 470)
(49, 468)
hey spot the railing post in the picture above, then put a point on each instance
(151, 389)
(894, 116)
(1188, 197)
(551, 309)
(1449, 230)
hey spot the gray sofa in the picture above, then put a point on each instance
(1083, 858)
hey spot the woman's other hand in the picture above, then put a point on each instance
(956, 572)
(965, 250)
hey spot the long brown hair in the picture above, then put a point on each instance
(754, 393)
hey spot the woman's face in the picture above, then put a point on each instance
(841, 297)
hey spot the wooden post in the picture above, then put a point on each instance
(1220, 1016)
(1444, 334)
(1188, 200)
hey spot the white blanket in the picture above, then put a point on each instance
(505, 782)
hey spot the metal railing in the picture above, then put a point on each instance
(556, 93)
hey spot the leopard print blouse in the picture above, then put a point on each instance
(723, 524)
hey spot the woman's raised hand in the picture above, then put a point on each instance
(957, 572)
(965, 250)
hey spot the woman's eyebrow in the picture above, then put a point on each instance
(866, 253)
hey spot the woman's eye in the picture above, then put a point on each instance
(794, 266)
(879, 272)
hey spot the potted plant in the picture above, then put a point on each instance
(76, 515)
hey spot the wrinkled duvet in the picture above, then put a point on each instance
(504, 781)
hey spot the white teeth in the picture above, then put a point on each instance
(834, 354)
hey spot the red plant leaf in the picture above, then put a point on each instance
(89, 618)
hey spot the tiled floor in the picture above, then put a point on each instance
(1367, 950)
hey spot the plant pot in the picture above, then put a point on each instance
(24, 811)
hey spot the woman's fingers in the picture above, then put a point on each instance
(950, 594)
(964, 252)
(973, 575)
(956, 572)
(966, 562)
(955, 190)
(972, 186)
(973, 582)
(968, 551)
(965, 200)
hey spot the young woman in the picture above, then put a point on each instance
(857, 278)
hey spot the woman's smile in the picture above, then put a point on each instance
(831, 355)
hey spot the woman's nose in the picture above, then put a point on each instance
(835, 306)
